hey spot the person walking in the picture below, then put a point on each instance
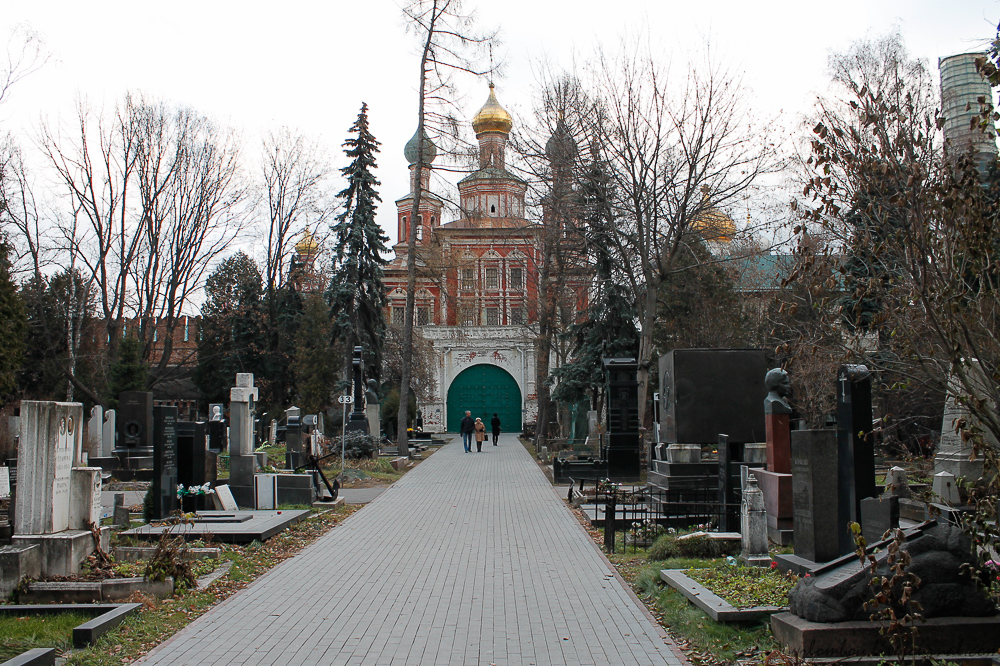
(480, 435)
(467, 427)
(495, 422)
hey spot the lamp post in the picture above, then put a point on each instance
(345, 400)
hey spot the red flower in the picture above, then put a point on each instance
(774, 565)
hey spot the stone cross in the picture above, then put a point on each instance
(242, 461)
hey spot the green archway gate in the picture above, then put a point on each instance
(483, 390)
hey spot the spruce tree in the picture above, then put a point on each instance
(316, 362)
(128, 373)
(13, 327)
(356, 294)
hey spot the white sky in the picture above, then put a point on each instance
(308, 64)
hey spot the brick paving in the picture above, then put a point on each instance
(468, 559)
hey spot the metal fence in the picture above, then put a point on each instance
(640, 513)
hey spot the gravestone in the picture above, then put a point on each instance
(373, 409)
(56, 501)
(164, 488)
(109, 433)
(266, 491)
(242, 461)
(358, 420)
(623, 445)
(196, 465)
(135, 423)
(878, 514)
(217, 436)
(945, 487)
(815, 472)
(753, 526)
(294, 451)
(4, 482)
(856, 447)
(954, 453)
(223, 498)
(95, 431)
(120, 516)
(895, 483)
(272, 433)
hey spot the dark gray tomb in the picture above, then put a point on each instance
(856, 445)
(135, 429)
(164, 488)
(294, 451)
(622, 447)
(815, 473)
(196, 464)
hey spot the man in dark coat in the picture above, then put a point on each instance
(468, 426)
(495, 422)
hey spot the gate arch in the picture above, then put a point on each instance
(484, 389)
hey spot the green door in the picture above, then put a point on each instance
(483, 390)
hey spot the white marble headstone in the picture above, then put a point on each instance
(108, 434)
(4, 482)
(95, 429)
(223, 499)
(48, 448)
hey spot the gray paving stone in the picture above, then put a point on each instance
(465, 560)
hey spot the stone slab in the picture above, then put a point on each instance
(17, 562)
(107, 616)
(63, 552)
(940, 635)
(142, 553)
(715, 606)
(227, 527)
(34, 657)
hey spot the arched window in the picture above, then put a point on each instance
(420, 232)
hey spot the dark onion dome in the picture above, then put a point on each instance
(561, 146)
(410, 150)
(492, 117)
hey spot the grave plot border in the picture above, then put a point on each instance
(715, 606)
(33, 657)
(108, 616)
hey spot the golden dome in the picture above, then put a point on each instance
(713, 224)
(492, 117)
(308, 244)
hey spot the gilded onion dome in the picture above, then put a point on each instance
(713, 224)
(307, 246)
(492, 117)
(410, 150)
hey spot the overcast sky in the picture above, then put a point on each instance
(308, 64)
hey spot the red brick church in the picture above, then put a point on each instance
(477, 285)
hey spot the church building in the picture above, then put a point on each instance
(477, 284)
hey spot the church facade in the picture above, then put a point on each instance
(477, 285)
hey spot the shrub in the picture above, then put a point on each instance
(357, 445)
(669, 545)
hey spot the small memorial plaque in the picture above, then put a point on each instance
(224, 499)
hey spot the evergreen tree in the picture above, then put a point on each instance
(231, 337)
(356, 294)
(316, 362)
(608, 329)
(128, 373)
(13, 327)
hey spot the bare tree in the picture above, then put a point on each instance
(673, 157)
(447, 36)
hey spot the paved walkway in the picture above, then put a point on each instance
(468, 559)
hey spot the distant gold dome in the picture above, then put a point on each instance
(307, 245)
(713, 224)
(492, 117)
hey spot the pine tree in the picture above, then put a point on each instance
(356, 294)
(128, 373)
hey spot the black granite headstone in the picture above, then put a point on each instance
(704, 392)
(134, 418)
(193, 462)
(729, 484)
(622, 445)
(164, 489)
(855, 444)
(217, 435)
(294, 451)
(814, 495)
